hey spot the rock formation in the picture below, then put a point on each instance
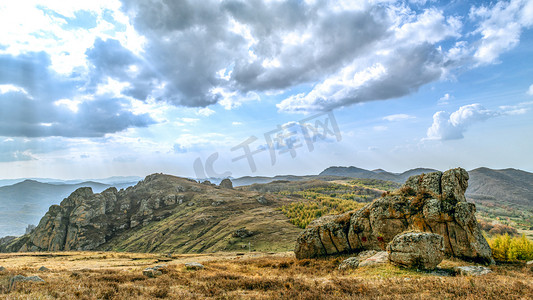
(85, 220)
(226, 184)
(421, 250)
(162, 213)
(433, 202)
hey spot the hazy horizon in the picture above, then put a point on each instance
(262, 88)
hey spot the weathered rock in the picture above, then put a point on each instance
(432, 203)
(20, 278)
(454, 183)
(194, 266)
(529, 263)
(349, 263)
(43, 269)
(152, 272)
(262, 200)
(353, 262)
(2, 269)
(226, 184)
(419, 250)
(380, 258)
(242, 233)
(425, 183)
(472, 270)
(85, 221)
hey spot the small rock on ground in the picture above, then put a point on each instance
(472, 270)
(382, 257)
(349, 263)
(530, 263)
(20, 278)
(43, 269)
(153, 271)
(2, 269)
(194, 266)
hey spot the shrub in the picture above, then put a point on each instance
(508, 248)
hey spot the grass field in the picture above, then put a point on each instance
(112, 275)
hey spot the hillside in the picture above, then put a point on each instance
(507, 185)
(26, 202)
(163, 213)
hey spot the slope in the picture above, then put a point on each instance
(162, 213)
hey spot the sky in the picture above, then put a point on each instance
(92, 89)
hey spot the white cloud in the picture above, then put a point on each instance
(452, 126)
(518, 109)
(500, 27)
(530, 91)
(444, 99)
(398, 117)
(206, 112)
(236, 123)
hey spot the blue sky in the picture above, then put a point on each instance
(93, 89)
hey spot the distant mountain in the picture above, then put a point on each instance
(507, 185)
(375, 174)
(25, 202)
(115, 180)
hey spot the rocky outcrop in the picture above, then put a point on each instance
(420, 250)
(226, 184)
(85, 220)
(433, 202)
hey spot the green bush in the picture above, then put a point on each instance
(508, 248)
(302, 213)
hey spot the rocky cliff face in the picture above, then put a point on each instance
(162, 213)
(433, 202)
(85, 220)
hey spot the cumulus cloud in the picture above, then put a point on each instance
(403, 72)
(41, 103)
(452, 126)
(199, 53)
(398, 117)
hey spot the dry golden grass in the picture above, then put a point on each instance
(108, 275)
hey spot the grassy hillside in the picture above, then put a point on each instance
(508, 186)
(318, 198)
(209, 221)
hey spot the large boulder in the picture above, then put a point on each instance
(431, 202)
(420, 250)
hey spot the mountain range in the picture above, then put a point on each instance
(25, 202)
